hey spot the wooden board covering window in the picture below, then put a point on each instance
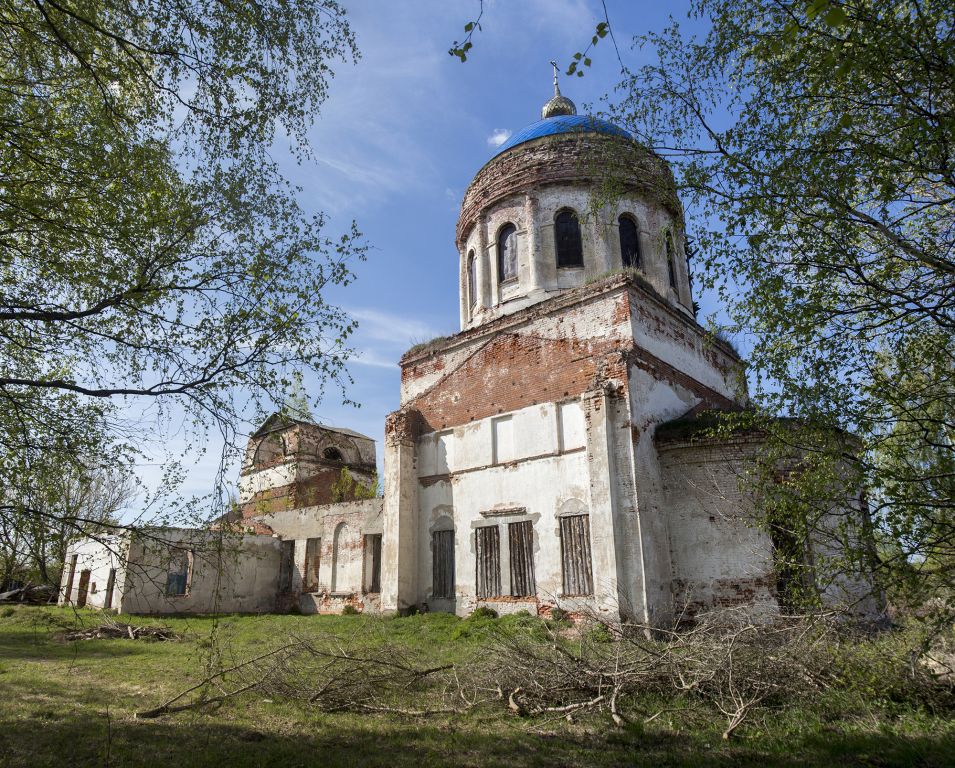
(442, 564)
(575, 555)
(488, 551)
(521, 536)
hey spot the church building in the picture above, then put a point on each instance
(540, 457)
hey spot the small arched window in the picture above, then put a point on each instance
(472, 281)
(570, 252)
(670, 267)
(629, 245)
(332, 454)
(507, 253)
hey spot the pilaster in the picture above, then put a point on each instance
(399, 582)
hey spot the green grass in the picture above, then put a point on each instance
(73, 703)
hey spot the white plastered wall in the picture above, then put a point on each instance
(231, 573)
(538, 274)
(98, 556)
(543, 469)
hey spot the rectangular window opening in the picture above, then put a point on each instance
(110, 585)
(373, 562)
(313, 562)
(68, 592)
(287, 566)
(179, 572)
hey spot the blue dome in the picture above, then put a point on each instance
(551, 126)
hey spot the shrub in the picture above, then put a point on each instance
(599, 633)
(560, 616)
(350, 610)
(483, 612)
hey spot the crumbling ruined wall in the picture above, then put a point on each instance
(344, 562)
(721, 558)
(291, 464)
(229, 573)
(97, 556)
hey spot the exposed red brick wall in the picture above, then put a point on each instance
(512, 364)
(517, 370)
(317, 489)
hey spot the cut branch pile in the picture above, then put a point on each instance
(113, 630)
(732, 664)
(35, 594)
(726, 660)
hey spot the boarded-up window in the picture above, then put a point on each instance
(502, 430)
(373, 562)
(629, 242)
(442, 564)
(338, 556)
(286, 566)
(521, 540)
(177, 576)
(313, 562)
(110, 585)
(487, 542)
(575, 555)
(570, 251)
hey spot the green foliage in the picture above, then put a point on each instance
(347, 488)
(581, 57)
(831, 728)
(155, 260)
(475, 626)
(350, 610)
(460, 50)
(824, 210)
(559, 616)
(887, 667)
(599, 633)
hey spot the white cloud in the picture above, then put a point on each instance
(387, 326)
(372, 358)
(499, 136)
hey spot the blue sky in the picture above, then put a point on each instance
(400, 138)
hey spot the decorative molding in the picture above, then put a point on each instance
(504, 512)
